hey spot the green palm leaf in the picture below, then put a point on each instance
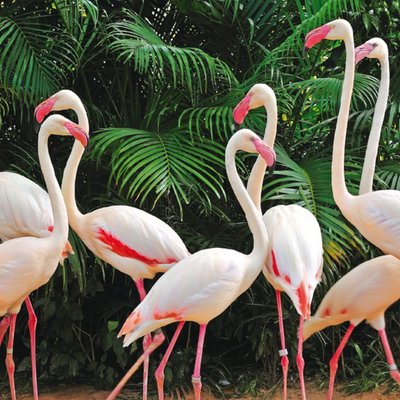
(35, 58)
(145, 163)
(133, 40)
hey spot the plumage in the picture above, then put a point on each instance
(296, 242)
(25, 208)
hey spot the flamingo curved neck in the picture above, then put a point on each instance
(60, 230)
(71, 168)
(340, 193)
(253, 216)
(367, 176)
(256, 178)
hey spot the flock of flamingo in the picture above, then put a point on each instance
(198, 287)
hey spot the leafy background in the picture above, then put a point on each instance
(168, 74)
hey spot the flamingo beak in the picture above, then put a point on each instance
(363, 51)
(315, 36)
(44, 108)
(77, 132)
(241, 110)
(267, 153)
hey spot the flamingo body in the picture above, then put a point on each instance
(364, 293)
(208, 281)
(25, 208)
(22, 272)
(293, 265)
(131, 240)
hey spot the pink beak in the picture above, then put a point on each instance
(77, 132)
(266, 152)
(44, 108)
(363, 51)
(316, 35)
(241, 110)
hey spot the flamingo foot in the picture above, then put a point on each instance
(196, 382)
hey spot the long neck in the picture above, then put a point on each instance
(253, 216)
(367, 176)
(256, 178)
(60, 230)
(340, 192)
(71, 169)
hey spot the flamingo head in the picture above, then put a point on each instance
(259, 95)
(58, 125)
(373, 48)
(334, 30)
(251, 143)
(62, 100)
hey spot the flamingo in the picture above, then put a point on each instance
(294, 259)
(26, 263)
(131, 240)
(203, 285)
(376, 214)
(362, 294)
(374, 48)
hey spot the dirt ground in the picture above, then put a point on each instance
(88, 393)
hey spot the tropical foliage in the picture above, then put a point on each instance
(159, 80)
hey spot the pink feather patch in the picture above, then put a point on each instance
(123, 250)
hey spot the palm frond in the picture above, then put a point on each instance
(35, 58)
(134, 41)
(169, 164)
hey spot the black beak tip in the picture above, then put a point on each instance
(36, 125)
(236, 126)
(305, 50)
(271, 170)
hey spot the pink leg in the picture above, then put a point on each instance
(283, 352)
(300, 359)
(333, 363)
(394, 372)
(32, 322)
(196, 377)
(4, 324)
(146, 341)
(9, 358)
(160, 370)
(157, 340)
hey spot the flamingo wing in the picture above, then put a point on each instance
(132, 240)
(378, 219)
(25, 208)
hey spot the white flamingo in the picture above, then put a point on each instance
(294, 259)
(26, 263)
(203, 285)
(376, 214)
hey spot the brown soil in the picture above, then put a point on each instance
(89, 393)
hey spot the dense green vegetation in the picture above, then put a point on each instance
(168, 74)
